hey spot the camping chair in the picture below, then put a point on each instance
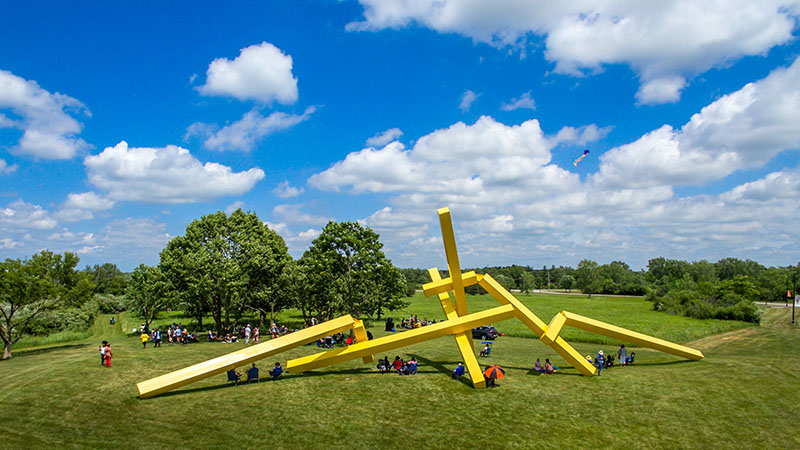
(233, 377)
(486, 350)
(252, 375)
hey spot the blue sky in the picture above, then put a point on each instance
(120, 123)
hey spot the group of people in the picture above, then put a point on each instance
(105, 354)
(176, 333)
(398, 365)
(252, 373)
(548, 367)
(601, 361)
(408, 324)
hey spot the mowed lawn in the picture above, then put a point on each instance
(743, 394)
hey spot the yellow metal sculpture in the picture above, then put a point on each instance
(459, 323)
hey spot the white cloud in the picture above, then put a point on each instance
(164, 175)
(664, 42)
(234, 206)
(261, 72)
(581, 135)
(5, 169)
(384, 137)
(294, 215)
(741, 130)
(247, 131)
(297, 241)
(19, 215)
(524, 101)
(81, 206)
(49, 129)
(283, 190)
(467, 99)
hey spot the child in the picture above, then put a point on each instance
(144, 339)
(108, 354)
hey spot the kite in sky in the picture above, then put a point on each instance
(575, 163)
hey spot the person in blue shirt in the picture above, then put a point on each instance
(458, 371)
(599, 361)
(276, 372)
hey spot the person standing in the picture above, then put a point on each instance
(157, 338)
(622, 355)
(247, 333)
(103, 352)
(108, 354)
(599, 362)
(144, 339)
(255, 335)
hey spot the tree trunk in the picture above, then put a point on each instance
(6, 350)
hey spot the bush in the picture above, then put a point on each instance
(111, 304)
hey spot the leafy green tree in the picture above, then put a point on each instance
(30, 287)
(107, 278)
(730, 268)
(505, 281)
(346, 271)
(224, 265)
(586, 277)
(567, 282)
(528, 282)
(148, 292)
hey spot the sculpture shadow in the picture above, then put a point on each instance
(440, 367)
(45, 350)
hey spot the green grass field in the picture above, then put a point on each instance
(743, 394)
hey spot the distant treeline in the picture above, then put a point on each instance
(726, 289)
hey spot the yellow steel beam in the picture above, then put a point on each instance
(554, 329)
(453, 265)
(463, 340)
(596, 326)
(444, 285)
(533, 322)
(382, 344)
(222, 364)
(361, 336)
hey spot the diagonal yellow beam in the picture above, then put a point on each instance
(224, 363)
(445, 285)
(463, 340)
(533, 322)
(361, 336)
(382, 344)
(453, 265)
(596, 326)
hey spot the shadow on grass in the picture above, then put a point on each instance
(41, 351)
(440, 367)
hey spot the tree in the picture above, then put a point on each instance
(346, 271)
(528, 282)
(28, 288)
(107, 278)
(224, 265)
(567, 282)
(505, 281)
(148, 292)
(586, 277)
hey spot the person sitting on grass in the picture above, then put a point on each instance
(276, 372)
(630, 359)
(398, 364)
(458, 371)
(410, 368)
(549, 368)
(538, 366)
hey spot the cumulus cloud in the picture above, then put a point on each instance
(467, 99)
(82, 206)
(5, 169)
(261, 72)
(741, 130)
(234, 206)
(664, 42)
(581, 135)
(245, 133)
(283, 190)
(164, 175)
(49, 130)
(20, 215)
(293, 214)
(384, 137)
(524, 101)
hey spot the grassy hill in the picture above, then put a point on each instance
(743, 394)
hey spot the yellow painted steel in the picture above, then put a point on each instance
(533, 322)
(451, 252)
(222, 364)
(361, 336)
(463, 340)
(554, 328)
(382, 344)
(445, 285)
(596, 326)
